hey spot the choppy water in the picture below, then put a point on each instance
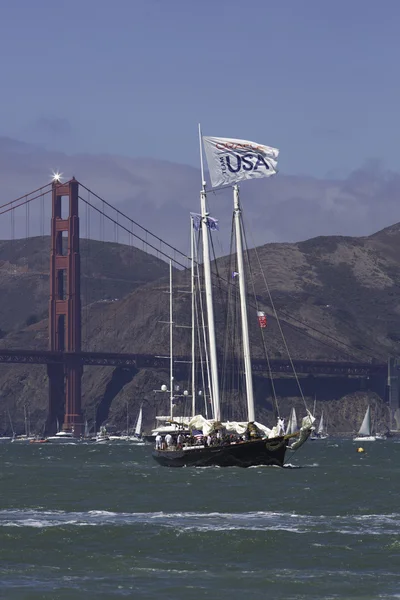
(105, 521)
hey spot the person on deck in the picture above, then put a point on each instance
(158, 442)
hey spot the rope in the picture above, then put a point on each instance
(271, 377)
(279, 325)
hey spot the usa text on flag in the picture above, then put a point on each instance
(231, 160)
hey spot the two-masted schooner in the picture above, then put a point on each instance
(224, 443)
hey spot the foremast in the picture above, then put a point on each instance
(243, 305)
(210, 306)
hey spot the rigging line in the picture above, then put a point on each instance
(326, 335)
(282, 312)
(136, 236)
(18, 205)
(270, 373)
(233, 327)
(303, 331)
(231, 330)
(305, 324)
(291, 317)
(26, 195)
(147, 231)
(280, 328)
(196, 251)
(217, 285)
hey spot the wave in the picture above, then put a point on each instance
(374, 524)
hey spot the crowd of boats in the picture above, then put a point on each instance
(100, 437)
(184, 432)
(66, 437)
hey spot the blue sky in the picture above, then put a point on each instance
(316, 78)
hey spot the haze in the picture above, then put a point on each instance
(112, 92)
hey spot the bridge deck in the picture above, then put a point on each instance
(148, 361)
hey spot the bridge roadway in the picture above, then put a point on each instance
(148, 361)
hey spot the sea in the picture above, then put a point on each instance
(92, 521)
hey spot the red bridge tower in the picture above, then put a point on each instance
(65, 308)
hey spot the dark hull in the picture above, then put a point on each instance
(245, 454)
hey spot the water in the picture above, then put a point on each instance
(105, 521)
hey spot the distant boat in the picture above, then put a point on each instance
(365, 432)
(62, 436)
(137, 436)
(292, 426)
(320, 433)
(102, 436)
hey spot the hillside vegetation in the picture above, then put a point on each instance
(338, 299)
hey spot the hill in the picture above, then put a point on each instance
(337, 298)
(108, 271)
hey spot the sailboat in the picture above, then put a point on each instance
(292, 424)
(214, 442)
(365, 432)
(171, 423)
(320, 433)
(137, 436)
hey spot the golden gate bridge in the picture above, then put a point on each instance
(65, 358)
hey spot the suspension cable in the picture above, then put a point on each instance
(25, 195)
(133, 222)
(27, 201)
(137, 236)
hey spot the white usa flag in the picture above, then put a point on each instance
(230, 160)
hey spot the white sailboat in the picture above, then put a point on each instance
(292, 426)
(320, 433)
(137, 435)
(254, 443)
(365, 433)
(169, 423)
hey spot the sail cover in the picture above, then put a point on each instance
(231, 160)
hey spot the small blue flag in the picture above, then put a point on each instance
(211, 222)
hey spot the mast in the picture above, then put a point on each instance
(209, 296)
(26, 421)
(243, 306)
(193, 309)
(171, 360)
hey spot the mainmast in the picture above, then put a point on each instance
(209, 295)
(193, 317)
(171, 358)
(243, 306)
